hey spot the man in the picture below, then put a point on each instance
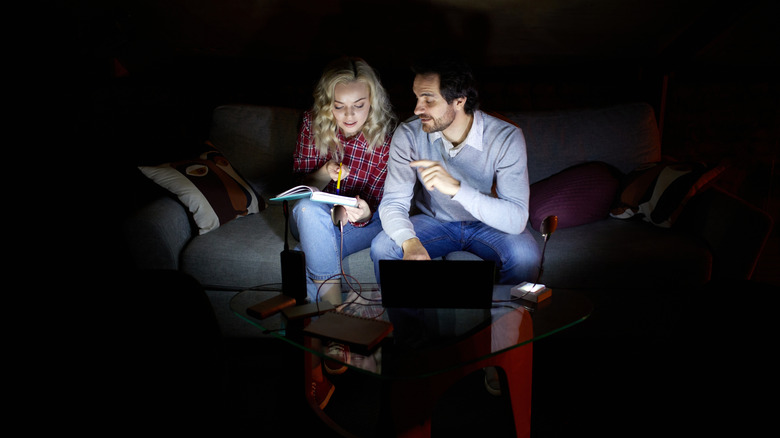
(465, 171)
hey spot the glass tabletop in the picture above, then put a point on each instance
(424, 341)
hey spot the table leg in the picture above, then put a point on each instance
(414, 400)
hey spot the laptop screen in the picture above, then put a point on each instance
(455, 284)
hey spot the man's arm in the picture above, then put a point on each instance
(399, 187)
(508, 212)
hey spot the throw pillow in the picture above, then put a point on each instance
(659, 193)
(209, 187)
(578, 195)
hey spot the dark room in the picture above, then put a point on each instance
(605, 92)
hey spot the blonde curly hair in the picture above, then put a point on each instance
(381, 118)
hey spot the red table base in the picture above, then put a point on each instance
(412, 401)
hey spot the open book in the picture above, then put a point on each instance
(315, 194)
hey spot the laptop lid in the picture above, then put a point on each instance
(455, 284)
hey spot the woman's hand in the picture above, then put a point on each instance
(361, 213)
(325, 174)
(332, 169)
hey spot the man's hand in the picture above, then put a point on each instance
(435, 177)
(414, 250)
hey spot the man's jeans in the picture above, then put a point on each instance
(517, 256)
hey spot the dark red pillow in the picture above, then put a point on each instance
(578, 195)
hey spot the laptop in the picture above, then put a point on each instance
(453, 284)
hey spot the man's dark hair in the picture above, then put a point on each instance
(455, 79)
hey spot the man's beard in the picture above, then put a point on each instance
(441, 123)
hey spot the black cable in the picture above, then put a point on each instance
(286, 211)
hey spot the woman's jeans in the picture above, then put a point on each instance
(321, 241)
(517, 256)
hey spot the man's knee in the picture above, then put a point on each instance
(521, 261)
(382, 247)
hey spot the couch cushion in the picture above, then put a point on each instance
(245, 253)
(630, 254)
(578, 195)
(208, 185)
(625, 136)
(241, 254)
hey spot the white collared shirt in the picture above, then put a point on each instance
(473, 139)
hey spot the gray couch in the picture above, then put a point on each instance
(710, 240)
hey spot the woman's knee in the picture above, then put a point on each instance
(306, 208)
(310, 215)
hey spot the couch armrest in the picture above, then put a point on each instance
(734, 230)
(157, 233)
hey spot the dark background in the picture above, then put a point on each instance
(143, 76)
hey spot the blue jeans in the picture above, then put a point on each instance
(517, 256)
(321, 241)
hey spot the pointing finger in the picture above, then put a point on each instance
(423, 163)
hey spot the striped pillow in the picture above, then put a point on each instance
(659, 193)
(209, 187)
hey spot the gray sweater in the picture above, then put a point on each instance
(494, 153)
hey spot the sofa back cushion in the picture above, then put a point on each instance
(625, 136)
(259, 141)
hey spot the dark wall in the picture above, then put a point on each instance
(148, 73)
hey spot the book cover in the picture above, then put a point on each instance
(350, 329)
(270, 306)
(315, 194)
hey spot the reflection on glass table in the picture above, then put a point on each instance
(428, 349)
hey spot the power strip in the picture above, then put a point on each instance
(533, 292)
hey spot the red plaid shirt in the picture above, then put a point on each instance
(367, 170)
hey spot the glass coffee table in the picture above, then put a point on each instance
(427, 351)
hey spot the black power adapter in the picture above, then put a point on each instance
(293, 267)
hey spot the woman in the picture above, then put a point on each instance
(346, 133)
